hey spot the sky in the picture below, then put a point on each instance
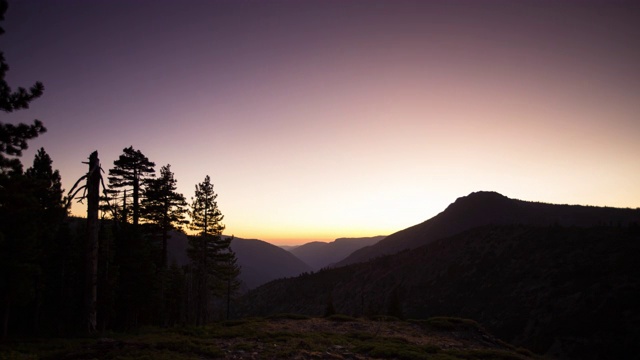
(324, 119)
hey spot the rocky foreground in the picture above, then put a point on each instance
(284, 337)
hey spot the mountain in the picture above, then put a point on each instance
(260, 261)
(482, 208)
(321, 254)
(561, 280)
(566, 292)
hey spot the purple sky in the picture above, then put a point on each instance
(323, 119)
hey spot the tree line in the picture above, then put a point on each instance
(53, 280)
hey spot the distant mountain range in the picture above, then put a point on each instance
(561, 280)
(261, 262)
(483, 208)
(319, 254)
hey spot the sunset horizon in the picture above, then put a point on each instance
(322, 119)
(305, 179)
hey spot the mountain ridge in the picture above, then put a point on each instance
(567, 292)
(259, 260)
(561, 280)
(320, 254)
(489, 207)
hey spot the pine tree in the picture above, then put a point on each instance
(13, 138)
(130, 171)
(18, 230)
(49, 211)
(47, 182)
(205, 248)
(164, 207)
(133, 254)
(228, 272)
(174, 294)
(162, 210)
(206, 218)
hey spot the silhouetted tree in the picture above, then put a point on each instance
(19, 263)
(93, 200)
(130, 171)
(137, 283)
(164, 207)
(13, 138)
(174, 294)
(48, 185)
(46, 189)
(228, 272)
(205, 247)
(31, 211)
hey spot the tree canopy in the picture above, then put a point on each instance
(13, 138)
(129, 171)
(163, 206)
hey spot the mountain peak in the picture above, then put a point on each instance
(483, 195)
(480, 197)
(491, 208)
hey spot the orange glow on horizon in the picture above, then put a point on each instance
(365, 127)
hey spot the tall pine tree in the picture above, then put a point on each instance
(208, 250)
(164, 207)
(47, 184)
(49, 210)
(129, 172)
(18, 229)
(228, 272)
(13, 138)
(133, 253)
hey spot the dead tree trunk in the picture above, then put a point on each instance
(93, 198)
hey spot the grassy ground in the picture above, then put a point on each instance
(283, 337)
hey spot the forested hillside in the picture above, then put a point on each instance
(482, 208)
(563, 291)
(321, 254)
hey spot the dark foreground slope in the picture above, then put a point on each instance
(260, 261)
(484, 208)
(570, 292)
(321, 254)
(283, 338)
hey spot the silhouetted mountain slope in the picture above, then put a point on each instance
(321, 254)
(491, 208)
(564, 291)
(261, 262)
